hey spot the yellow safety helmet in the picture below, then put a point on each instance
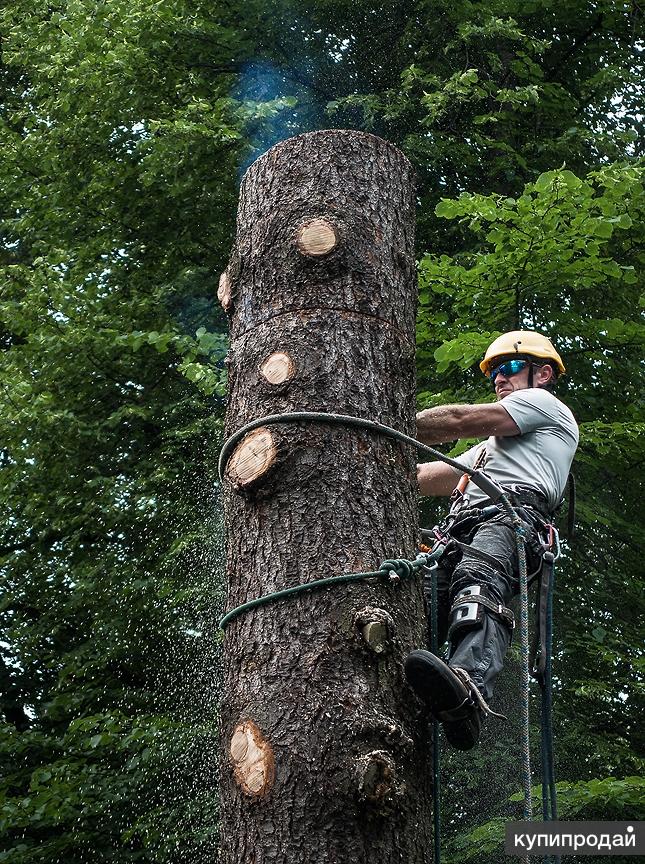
(522, 342)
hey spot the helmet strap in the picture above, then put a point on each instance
(530, 379)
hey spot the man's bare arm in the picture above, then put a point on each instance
(436, 478)
(449, 422)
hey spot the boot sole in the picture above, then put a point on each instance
(440, 690)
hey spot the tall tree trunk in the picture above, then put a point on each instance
(324, 758)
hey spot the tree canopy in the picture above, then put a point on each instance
(125, 128)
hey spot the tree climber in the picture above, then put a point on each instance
(533, 438)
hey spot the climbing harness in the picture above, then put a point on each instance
(397, 569)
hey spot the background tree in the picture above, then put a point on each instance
(124, 128)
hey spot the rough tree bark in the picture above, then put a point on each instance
(324, 756)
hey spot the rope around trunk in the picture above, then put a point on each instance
(478, 478)
(488, 486)
(394, 569)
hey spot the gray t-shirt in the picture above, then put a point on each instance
(540, 456)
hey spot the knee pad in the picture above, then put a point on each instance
(469, 609)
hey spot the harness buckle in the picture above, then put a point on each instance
(465, 612)
(468, 609)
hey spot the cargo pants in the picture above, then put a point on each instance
(480, 648)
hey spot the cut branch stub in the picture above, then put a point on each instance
(252, 457)
(316, 238)
(376, 776)
(376, 627)
(375, 634)
(277, 368)
(224, 294)
(252, 757)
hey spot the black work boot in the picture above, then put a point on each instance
(448, 698)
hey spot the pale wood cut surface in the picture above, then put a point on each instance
(277, 368)
(252, 757)
(254, 455)
(224, 291)
(316, 238)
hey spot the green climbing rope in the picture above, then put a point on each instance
(485, 484)
(393, 569)
(478, 478)
(408, 568)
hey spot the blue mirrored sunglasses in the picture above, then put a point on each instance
(510, 367)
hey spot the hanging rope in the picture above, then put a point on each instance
(436, 745)
(549, 792)
(520, 534)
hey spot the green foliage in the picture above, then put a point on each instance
(97, 793)
(113, 230)
(563, 242)
(595, 800)
(604, 799)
